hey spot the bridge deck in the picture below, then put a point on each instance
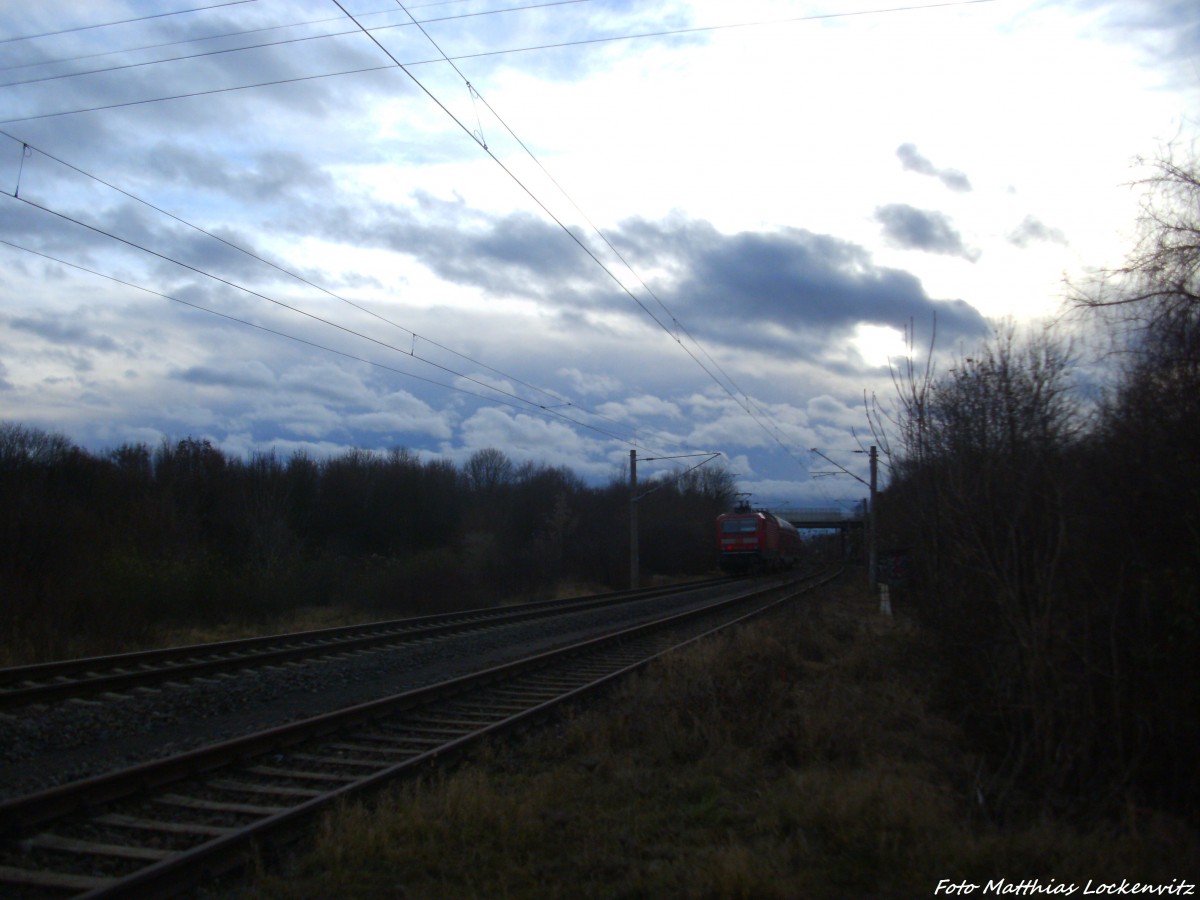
(803, 517)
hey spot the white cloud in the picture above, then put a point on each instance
(404, 415)
(587, 384)
(639, 408)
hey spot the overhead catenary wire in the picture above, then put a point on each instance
(674, 477)
(27, 148)
(574, 237)
(161, 15)
(559, 222)
(749, 406)
(482, 54)
(674, 321)
(269, 299)
(514, 399)
(528, 403)
(560, 401)
(224, 50)
(752, 409)
(547, 3)
(305, 341)
(546, 411)
(186, 94)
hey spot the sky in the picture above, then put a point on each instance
(564, 230)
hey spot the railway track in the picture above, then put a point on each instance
(162, 827)
(80, 678)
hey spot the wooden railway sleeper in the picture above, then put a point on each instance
(462, 724)
(411, 727)
(530, 697)
(249, 809)
(403, 736)
(552, 682)
(278, 790)
(475, 718)
(63, 881)
(386, 750)
(300, 775)
(47, 841)
(491, 712)
(528, 700)
(348, 761)
(190, 828)
(399, 735)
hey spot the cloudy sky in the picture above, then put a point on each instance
(562, 229)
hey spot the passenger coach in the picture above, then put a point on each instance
(756, 541)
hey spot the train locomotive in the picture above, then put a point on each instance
(756, 541)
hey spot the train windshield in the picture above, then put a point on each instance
(738, 526)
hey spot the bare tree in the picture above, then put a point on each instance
(22, 445)
(1146, 561)
(981, 486)
(899, 429)
(1161, 275)
(905, 419)
(489, 469)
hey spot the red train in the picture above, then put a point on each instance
(756, 540)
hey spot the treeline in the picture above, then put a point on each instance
(99, 551)
(1054, 536)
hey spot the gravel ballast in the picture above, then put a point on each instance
(43, 746)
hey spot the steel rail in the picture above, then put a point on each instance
(65, 679)
(440, 719)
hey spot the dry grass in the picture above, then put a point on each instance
(569, 590)
(796, 758)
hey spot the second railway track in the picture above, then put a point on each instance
(157, 828)
(80, 678)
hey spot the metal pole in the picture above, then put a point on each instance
(633, 521)
(872, 545)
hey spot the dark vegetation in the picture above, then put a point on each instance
(1054, 536)
(106, 552)
(798, 756)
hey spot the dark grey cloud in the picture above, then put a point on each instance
(1165, 29)
(33, 228)
(1033, 230)
(794, 290)
(61, 75)
(245, 376)
(104, 231)
(510, 252)
(517, 254)
(267, 177)
(176, 250)
(913, 161)
(252, 52)
(919, 229)
(58, 331)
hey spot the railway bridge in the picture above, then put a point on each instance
(816, 517)
(850, 525)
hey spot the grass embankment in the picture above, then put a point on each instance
(798, 757)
